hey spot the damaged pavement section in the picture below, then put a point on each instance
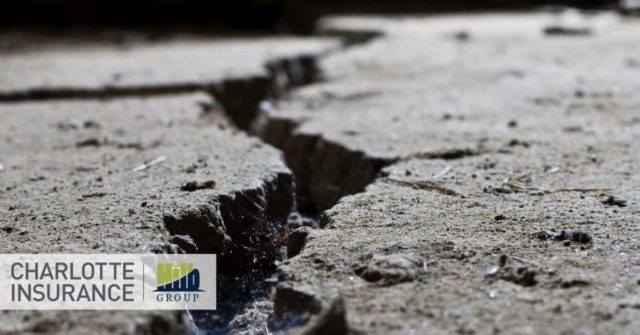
(503, 167)
(123, 193)
(419, 91)
(501, 159)
(406, 259)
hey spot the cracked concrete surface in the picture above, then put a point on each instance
(445, 274)
(509, 200)
(80, 164)
(240, 72)
(420, 91)
(77, 182)
(479, 174)
(154, 167)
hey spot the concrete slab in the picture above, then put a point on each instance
(422, 90)
(441, 247)
(230, 68)
(129, 176)
(196, 62)
(502, 160)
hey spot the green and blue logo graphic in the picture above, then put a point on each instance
(177, 277)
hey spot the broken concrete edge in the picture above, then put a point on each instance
(214, 224)
(243, 222)
(244, 229)
(182, 323)
(246, 225)
(312, 158)
(324, 170)
(223, 225)
(241, 98)
(300, 312)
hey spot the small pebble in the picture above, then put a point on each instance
(491, 271)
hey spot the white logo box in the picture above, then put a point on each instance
(107, 282)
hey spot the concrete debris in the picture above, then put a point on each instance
(185, 242)
(523, 275)
(566, 235)
(332, 320)
(390, 269)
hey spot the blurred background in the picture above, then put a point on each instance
(282, 16)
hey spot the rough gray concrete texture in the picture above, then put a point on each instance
(195, 62)
(509, 203)
(496, 164)
(452, 86)
(123, 176)
(420, 251)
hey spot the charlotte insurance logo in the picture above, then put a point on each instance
(107, 281)
(177, 282)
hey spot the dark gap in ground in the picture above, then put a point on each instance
(245, 230)
(259, 235)
(99, 93)
(247, 261)
(324, 172)
(447, 154)
(239, 97)
(252, 281)
(245, 270)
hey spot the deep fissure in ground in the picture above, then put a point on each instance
(249, 229)
(241, 101)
